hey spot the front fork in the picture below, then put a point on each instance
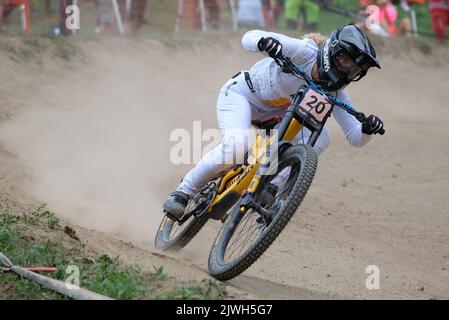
(288, 129)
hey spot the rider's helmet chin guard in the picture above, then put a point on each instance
(345, 56)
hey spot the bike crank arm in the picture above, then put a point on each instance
(199, 210)
(195, 212)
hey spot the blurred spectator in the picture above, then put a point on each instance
(308, 9)
(269, 8)
(7, 6)
(189, 14)
(279, 10)
(5, 9)
(440, 19)
(272, 10)
(132, 20)
(61, 28)
(106, 23)
(213, 13)
(387, 15)
(250, 14)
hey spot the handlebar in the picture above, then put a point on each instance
(288, 66)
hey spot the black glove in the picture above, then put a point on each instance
(372, 125)
(270, 45)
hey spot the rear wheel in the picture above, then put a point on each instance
(244, 237)
(172, 235)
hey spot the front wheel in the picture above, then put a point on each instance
(244, 237)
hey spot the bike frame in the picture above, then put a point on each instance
(248, 180)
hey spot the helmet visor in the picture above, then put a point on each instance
(346, 66)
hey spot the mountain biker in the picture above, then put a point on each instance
(265, 90)
(440, 19)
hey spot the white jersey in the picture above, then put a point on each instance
(275, 89)
(272, 94)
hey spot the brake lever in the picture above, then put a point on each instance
(360, 116)
(281, 62)
(287, 69)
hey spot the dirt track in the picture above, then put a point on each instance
(90, 137)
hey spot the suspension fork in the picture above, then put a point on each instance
(288, 129)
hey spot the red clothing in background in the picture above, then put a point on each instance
(440, 19)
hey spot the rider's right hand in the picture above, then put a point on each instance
(270, 45)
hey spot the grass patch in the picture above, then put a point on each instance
(64, 49)
(31, 48)
(37, 239)
(208, 289)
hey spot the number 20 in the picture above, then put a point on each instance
(319, 107)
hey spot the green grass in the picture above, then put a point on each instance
(32, 48)
(37, 239)
(208, 290)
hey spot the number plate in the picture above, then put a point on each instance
(316, 105)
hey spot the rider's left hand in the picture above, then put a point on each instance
(372, 125)
(270, 45)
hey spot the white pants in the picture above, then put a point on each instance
(235, 111)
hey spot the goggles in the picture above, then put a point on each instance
(346, 66)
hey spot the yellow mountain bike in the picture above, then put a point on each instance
(236, 198)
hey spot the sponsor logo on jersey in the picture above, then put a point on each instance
(278, 103)
(327, 65)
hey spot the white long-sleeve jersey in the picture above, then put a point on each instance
(275, 89)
